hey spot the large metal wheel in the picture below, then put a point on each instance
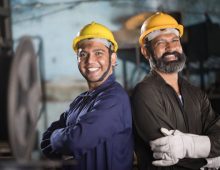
(24, 94)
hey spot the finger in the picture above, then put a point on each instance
(165, 162)
(158, 155)
(163, 148)
(44, 143)
(166, 132)
(162, 163)
(159, 141)
(162, 155)
(177, 132)
(47, 149)
(47, 135)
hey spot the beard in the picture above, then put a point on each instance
(161, 64)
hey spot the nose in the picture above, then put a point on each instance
(170, 47)
(91, 58)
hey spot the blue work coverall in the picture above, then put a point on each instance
(96, 130)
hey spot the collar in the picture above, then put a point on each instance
(108, 82)
(162, 81)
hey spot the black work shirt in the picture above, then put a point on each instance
(156, 105)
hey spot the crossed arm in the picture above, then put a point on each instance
(93, 128)
(170, 148)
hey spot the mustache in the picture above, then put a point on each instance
(175, 53)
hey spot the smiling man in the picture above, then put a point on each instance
(176, 127)
(96, 130)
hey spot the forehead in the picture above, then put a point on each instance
(165, 36)
(92, 45)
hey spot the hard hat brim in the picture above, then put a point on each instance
(78, 39)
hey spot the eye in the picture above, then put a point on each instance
(82, 54)
(99, 53)
(176, 40)
(160, 43)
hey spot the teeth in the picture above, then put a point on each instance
(170, 56)
(93, 69)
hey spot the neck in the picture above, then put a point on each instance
(95, 84)
(171, 79)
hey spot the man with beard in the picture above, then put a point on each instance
(96, 130)
(175, 125)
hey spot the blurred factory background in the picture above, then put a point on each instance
(39, 76)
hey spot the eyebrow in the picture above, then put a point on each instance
(98, 50)
(164, 39)
(94, 50)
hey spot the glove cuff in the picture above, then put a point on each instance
(197, 146)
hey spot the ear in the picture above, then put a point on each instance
(113, 59)
(145, 52)
(78, 60)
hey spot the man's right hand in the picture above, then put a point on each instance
(46, 147)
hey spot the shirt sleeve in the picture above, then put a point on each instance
(45, 144)
(93, 128)
(149, 114)
(211, 125)
(55, 125)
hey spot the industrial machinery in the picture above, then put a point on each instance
(20, 92)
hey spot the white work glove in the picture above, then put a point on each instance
(178, 145)
(212, 163)
(164, 159)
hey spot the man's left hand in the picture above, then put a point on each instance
(177, 145)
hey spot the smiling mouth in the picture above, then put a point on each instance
(93, 69)
(170, 57)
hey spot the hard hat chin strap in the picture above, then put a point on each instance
(108, 69)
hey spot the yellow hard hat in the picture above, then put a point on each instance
(156, 22)
(94, 30)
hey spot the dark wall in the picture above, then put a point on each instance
(5, 63)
